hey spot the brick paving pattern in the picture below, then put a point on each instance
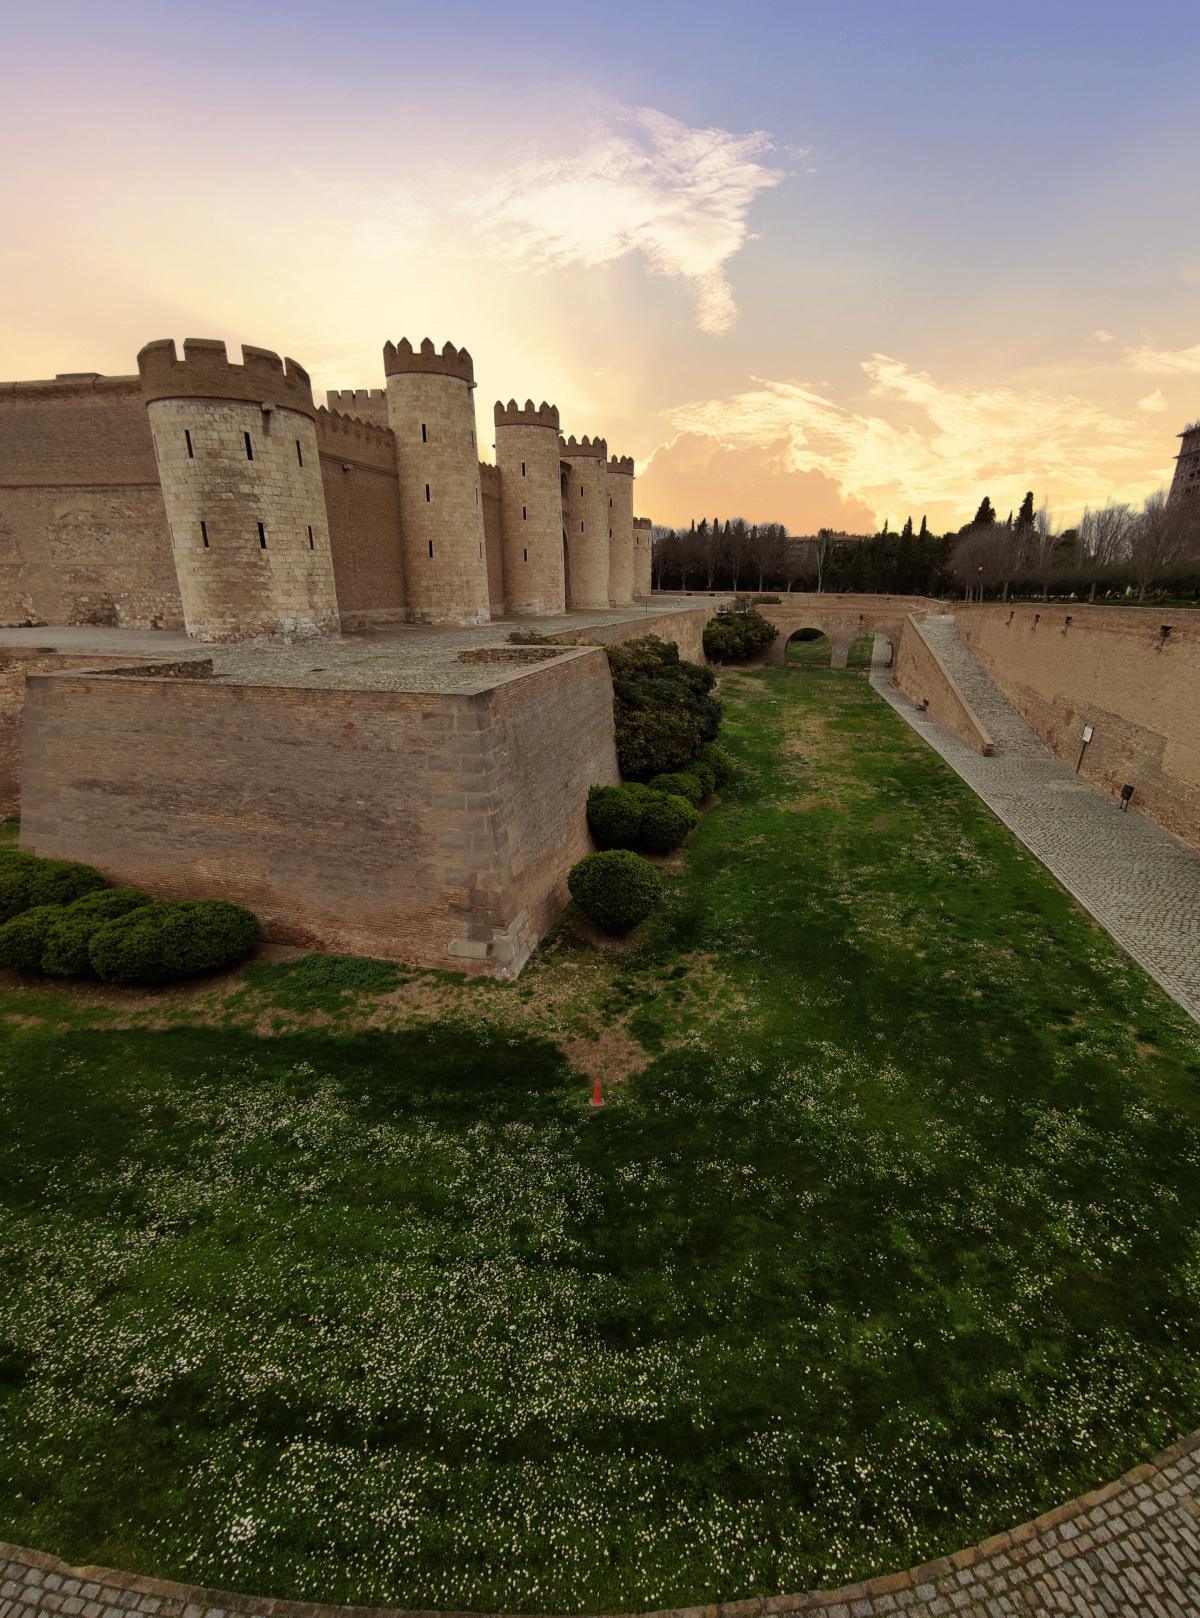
(1132, 1548)
(1141, 884)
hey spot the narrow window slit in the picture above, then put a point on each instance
(188, 438)
(204, 534)
(311, 546)
(299, 454)
(262, 536)
(249, 447)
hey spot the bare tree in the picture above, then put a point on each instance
(1104, 541)
(1161, 540)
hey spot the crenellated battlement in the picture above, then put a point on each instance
(207, 372)
(570, 448)
(528, 415)
(399, 359)
(621, 465)
(360, 402)
(489, 479)
(350, 436)
(642, 522)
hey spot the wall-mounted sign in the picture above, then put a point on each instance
(1087, 733)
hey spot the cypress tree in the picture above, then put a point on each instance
(986, 515)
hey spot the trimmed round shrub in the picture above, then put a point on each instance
(30, 881)
(614, 816)
(666, 821)
(681, 784)
(164, 940)
(706, 776)
(721, 642)
(23, 939)
(69, 941)
(615, 888)
(718, 761)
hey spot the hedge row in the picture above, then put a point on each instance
(63, 919)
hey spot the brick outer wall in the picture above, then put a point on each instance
(436, 829)
(1110, 669)
(83, 531)
(362, 508)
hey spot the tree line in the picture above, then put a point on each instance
(1114, 551)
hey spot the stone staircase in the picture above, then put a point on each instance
(1009, 732)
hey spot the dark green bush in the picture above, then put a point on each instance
(68, 943)
(159, 942)
(737, 632)
(706, 776)
(614, 815)
(666, 821)
(615, 888)
(718, 761)
(29, 881)
(663, 707)
(23, 939)
(682, 784)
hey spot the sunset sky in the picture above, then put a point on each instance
(820, 263)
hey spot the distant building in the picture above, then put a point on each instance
(1186, 481)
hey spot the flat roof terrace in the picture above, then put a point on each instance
(400, 657)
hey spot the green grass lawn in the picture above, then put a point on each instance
(893, 1241)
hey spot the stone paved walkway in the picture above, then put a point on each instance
(1132, 1548)
(1141, 884)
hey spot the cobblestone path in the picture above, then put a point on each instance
(1141, 884)
(1131, 1549)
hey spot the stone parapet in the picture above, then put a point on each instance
(207, 372)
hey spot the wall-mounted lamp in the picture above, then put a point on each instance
(1126, 794)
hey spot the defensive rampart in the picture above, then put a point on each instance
(1130, 674)
(431, 827)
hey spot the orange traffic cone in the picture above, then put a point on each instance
(598, 1095)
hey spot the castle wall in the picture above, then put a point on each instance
(586, 522)
(366, 404)
(431, 828)
(83, 531)
(493, 536)
(362, 507)
(1109, 668)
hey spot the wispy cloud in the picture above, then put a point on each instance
(646, 184)
(1102, 336)
(928, 443)
(1165, 361)
(1153, 404)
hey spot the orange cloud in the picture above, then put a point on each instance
(694, 476)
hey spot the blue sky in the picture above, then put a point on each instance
(816, 262)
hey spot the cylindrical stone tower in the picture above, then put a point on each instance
(531, 506)
(620, 531)
(432, 417)
(241, 479)
(643, 554)
(586, 521)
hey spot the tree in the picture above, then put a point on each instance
(1161, 539)
(907, 531)
(1025, 515)
(986, 515)
(924, 533)
(1103, 542)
